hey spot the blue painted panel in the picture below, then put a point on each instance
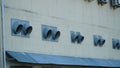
(21, 57)
(64, 60)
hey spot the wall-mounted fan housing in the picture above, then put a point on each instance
(102, 2)
(76, 37)
(89, 0)
(20, 28)
(55, 35)
(98, 40)
(50, 33)
(27, 29)
(116, 44)
(115, 3)
(47, 33)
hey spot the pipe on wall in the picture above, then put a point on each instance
(3, 33)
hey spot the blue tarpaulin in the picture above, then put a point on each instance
(61, 60)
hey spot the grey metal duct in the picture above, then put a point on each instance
(17, 28)
(27, 29)
(80, 39)
(55, 35)
(98, 40)
(47, 33)
(102, 2)
(76, 37)
(102, 41)
(116, 43)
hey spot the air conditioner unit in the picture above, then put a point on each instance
(115, 3)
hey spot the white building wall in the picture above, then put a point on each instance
(1, 50)
(67, 15)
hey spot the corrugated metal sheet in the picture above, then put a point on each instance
(64, 60)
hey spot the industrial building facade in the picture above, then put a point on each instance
(59, 33)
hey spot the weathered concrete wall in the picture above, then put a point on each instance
(67, 15)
